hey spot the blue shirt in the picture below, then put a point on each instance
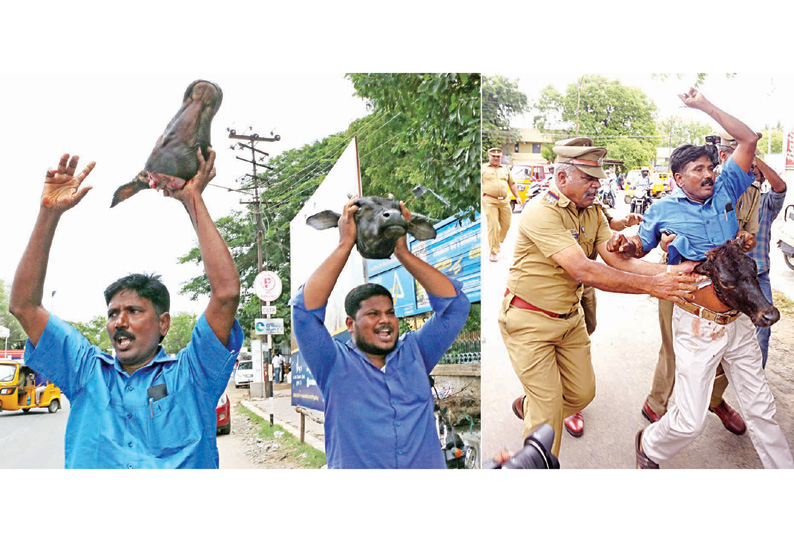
(699, 226)
(380, 419)
(768, 209)
(113, 423)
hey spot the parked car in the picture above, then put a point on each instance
(223, 415)
(244, 374)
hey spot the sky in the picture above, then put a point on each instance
(758, 99)
(115, 120)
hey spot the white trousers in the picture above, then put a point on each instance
(699, 347)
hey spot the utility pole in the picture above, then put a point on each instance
(256, 154)
(578, 101)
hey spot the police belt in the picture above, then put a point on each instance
(494, 197)
(521, 304)
(720, 318)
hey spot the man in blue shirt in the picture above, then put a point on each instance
(378, 402)
(141, 408)
(768, 209)
(701, 213)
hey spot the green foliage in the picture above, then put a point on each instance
(423, 129)
(437, 142)
(95, 330)
(17, 336)
(763, 144)
(501, 101)
(696, 80)
(675, 131)
(618, 117)
(179, 333)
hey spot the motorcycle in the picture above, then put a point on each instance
(606, 194)
(786, 240)
(640, 201)
(458, 453)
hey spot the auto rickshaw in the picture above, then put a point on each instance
(18, 389)
(660, 184)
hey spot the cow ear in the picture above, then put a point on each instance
(421, 228)
(323, 220)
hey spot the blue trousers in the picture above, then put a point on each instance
(763, 333)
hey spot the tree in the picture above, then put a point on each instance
(501, 101)
(17, 336)
(95, 330)
(763, 144)
(423, 129)
(179, 334)
(675, 131)
(440, 135)
(615, 116)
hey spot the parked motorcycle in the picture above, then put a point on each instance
(786, 241)
(458, 453)
(640, 201)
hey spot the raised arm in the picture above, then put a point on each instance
(321, 283)
(775, 181)
(62, 191)
(432, 280)
(218, 263)
(745, 137)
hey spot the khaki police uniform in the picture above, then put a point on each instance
(496, 189)
(541, 318)
(664, 374)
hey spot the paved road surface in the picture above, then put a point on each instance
(33, 440)
(624, 351)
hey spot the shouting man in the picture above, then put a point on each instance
(140, 408)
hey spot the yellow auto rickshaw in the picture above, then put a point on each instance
(19, 389)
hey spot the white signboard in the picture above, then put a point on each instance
(269, 326)
(267, 286)
(4, 332)
(269, 310)
(310, 247)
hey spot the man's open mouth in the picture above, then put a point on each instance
(707, 182)
(123, 340)
(385, 333)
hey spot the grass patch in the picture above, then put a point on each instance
(307, 456)
(782, 303)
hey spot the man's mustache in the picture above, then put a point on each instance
(122, 333)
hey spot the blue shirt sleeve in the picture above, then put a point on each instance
(437, 334)
(736, 180)
(316, 346)
(650, 228)
(63, 356)
(209, 361)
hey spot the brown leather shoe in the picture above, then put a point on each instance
(643, 461)
(729, 418)
(649, 414)
(574, 425)
(518, 407)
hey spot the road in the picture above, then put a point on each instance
(624, 352)
(36, 440)
(33, 440)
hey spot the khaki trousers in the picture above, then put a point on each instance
(700, 346)
(664, 374)
(497, 217)
(551, 357)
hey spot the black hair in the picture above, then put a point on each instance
(689, 153)
(359, 294)
(146, 286)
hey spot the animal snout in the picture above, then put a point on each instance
(768, 317)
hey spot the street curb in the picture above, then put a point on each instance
(314, 442)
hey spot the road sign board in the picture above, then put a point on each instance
(267, 286)
(269, 326)
(269, 309)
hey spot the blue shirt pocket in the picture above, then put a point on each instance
(170, 428)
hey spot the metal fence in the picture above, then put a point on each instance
(465, 349)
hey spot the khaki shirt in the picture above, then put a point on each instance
(549, 224)
(496, 180)
(747, 208)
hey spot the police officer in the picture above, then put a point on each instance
(541, 318)
(497, 183)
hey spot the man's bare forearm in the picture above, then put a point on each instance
(27, 290)
(775, 181)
